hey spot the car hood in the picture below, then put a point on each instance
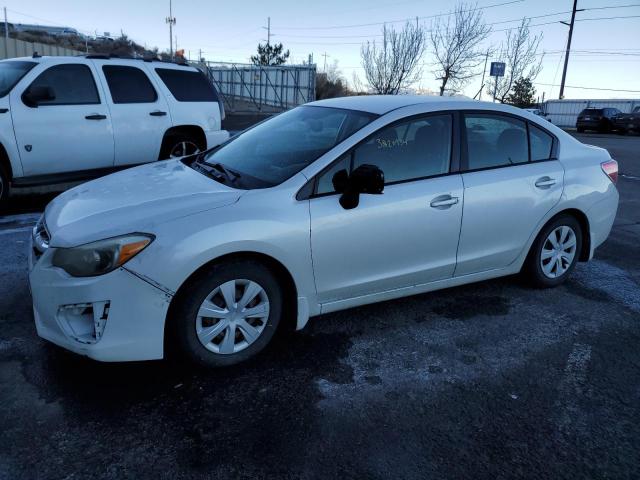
(134, 200)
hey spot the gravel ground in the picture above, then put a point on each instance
(490, 380)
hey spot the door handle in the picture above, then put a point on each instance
(157, 113)
(545, 182)
(443, 201)
(96, 116)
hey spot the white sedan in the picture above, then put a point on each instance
(328, 206)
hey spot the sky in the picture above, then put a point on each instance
(604, 63)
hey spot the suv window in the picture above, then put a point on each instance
(495, 140)
(129, 85)
(410, 150)
(541, 143)
(187, 86)
(11, 72)
(592, 111)
(72, 84)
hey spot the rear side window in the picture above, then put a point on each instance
(72, 84)
(187, 86)
(495, 140)
(129, 85)
(541, 144)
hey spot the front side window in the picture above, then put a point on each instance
(11, 72)
(277, 149)
(71, 84)
(409, 150)
(129, 85)
(188, 86)
(495, 140)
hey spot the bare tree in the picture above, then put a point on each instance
(392, 66)
(455, 43)
(520, 54)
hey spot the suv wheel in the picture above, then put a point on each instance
(554, 253)
(180, 146)
(229, 314)
(4, 188)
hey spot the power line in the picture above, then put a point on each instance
(334, 27)
(590, 88)
(315, 42)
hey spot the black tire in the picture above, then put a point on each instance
(182, 328)
(532, 269)
(172, 144)
(621, 131)
(5, 188)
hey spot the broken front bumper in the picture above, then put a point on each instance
(113, 317)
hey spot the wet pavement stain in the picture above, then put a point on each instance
(463, 307)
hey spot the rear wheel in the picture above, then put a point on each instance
(177, 146)
(228, 314)
(4, 188)
(554, 253)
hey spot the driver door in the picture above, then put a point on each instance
(406, 236)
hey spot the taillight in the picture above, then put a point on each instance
(610, 167)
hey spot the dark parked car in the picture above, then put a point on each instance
(600, 119)
(627, 122)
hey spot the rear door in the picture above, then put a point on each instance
(139, 114)
(511, 180)
(69, 133)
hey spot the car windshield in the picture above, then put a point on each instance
(11, 73)
(280, 147)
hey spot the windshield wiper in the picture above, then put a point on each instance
(230, 174)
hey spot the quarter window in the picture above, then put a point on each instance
(541, 144)
(495, 140)
(72, 84)
(187, 86)
(129, 85)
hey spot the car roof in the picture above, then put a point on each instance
(116, 60)
(381, 104)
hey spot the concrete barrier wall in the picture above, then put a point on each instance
(13, 48)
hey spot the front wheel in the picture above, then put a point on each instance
(554, 253)
(228, 313)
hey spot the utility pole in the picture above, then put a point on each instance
(171, 21)
(325, 61)
(268, 29)
(566, 56)
(6, 26)
(484, 71)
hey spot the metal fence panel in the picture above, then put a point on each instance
(564, 113)
(257, 87)
(13, 48)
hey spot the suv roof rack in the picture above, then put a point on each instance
(104, 56)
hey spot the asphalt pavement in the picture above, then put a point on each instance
(491, 380)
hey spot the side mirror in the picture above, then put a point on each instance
(367, 179)
(34, 96)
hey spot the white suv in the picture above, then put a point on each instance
(71, 118)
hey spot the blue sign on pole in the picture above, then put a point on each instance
(497, 69)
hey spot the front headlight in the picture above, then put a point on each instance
(100, 257)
